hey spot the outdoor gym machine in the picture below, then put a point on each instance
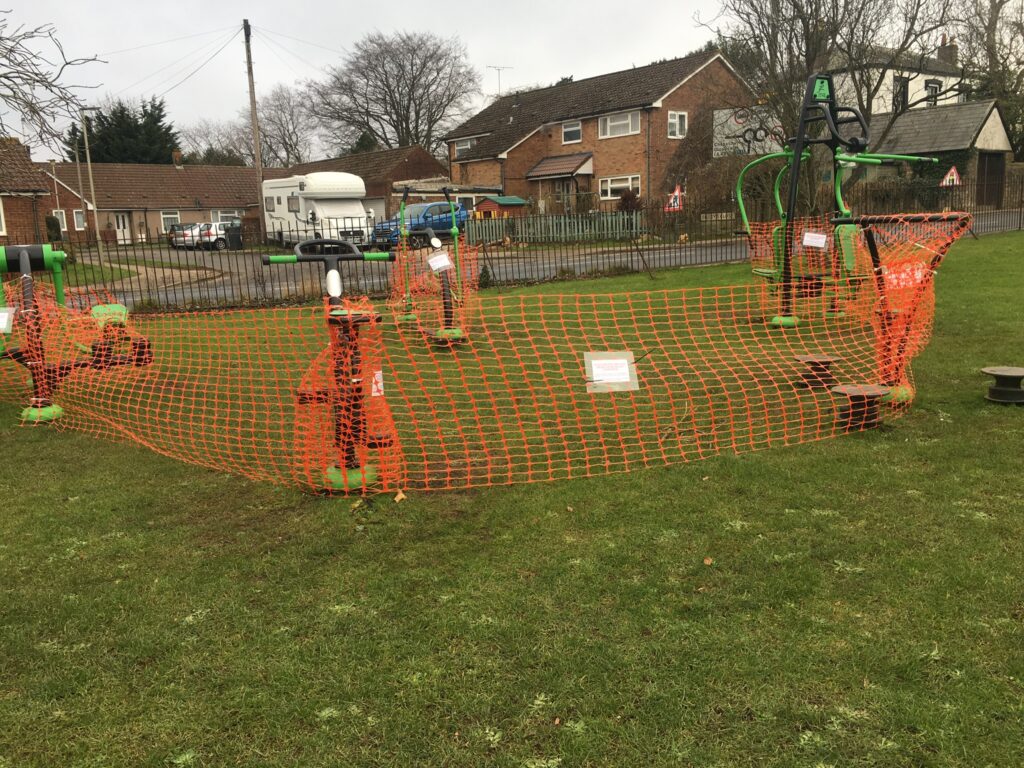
(821, 121)
(344, 393)
(448, 271)
(115, 347)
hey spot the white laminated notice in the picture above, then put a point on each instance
(440, 262)
(6, 320)
(815, 240)
(377, 385)
(610, 371)
(613, 371)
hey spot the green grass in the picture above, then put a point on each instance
(861, 606)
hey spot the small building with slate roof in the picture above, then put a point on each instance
(971, 136)
(595, 138)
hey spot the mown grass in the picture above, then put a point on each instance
(851, 603)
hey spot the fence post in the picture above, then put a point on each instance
(1020, 203)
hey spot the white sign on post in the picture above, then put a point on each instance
(6, 320)
(440, 262)
(610, 371)
(815, 240)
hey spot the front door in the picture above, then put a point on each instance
(123, 227)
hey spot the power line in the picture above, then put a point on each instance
(304, 42)
(273, 47)
(165, 42)
(196, 70)
(175, 65)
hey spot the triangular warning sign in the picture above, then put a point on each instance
(951, 179)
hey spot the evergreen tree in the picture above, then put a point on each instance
(365, 143)
(125, 133)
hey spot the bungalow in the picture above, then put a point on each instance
(599, 136)
(139, 202)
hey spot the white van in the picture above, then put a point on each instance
(325, 204)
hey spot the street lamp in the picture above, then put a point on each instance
(92, 186)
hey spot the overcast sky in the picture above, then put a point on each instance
(294, 41)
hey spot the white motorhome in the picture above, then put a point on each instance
(325, 204)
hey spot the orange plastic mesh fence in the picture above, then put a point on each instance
(346, 398)
(436, 290)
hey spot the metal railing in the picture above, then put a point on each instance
(154, 275)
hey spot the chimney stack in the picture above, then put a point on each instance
(176, 157)
(949, 52)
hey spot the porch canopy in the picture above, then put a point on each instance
(562, 167)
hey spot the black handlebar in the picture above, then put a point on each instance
(913, 218)
(447, 196)
(329, 260)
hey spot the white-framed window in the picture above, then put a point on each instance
(293, 203)
(572, 132)
(463, 146)
(225, 215)
(622, 124)
(614, 186)
(62, 218)
(268, 203)
(3, 219)
(167, 218)
(677, 125)
(931, 91)
(79, 219)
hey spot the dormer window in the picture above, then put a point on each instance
(463, 147)
(572, 132)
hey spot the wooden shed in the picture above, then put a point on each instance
(500, 207)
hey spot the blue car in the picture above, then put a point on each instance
(418, 216)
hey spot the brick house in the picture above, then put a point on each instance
(598, 136)
(139, 202)
(24, 196)
(379, 171)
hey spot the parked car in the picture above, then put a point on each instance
(436, 216)
(207, 234)
(184, 235)
(175, 230)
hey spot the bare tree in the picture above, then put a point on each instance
(32, 66)
(993, 42)
(864, 42)
(218, 137)
(890, 42)
(287, 129)
(405, 88)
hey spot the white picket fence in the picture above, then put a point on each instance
(616, 225)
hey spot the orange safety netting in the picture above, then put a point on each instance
(436, 290)
(348, 398)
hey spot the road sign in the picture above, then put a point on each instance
(951, 179)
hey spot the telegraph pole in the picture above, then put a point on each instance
(257, 154)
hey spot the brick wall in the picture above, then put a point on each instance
(23, 223)
(484, 173)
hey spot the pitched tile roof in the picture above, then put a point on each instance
(512, 118)
(888, 58)
(945, 128)
(371, 167)
(558, 165)
(137, 186)
(17, 171)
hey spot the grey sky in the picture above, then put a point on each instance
(540, 41)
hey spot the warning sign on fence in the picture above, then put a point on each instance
(951, 179)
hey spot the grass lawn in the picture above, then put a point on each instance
(852, 602)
